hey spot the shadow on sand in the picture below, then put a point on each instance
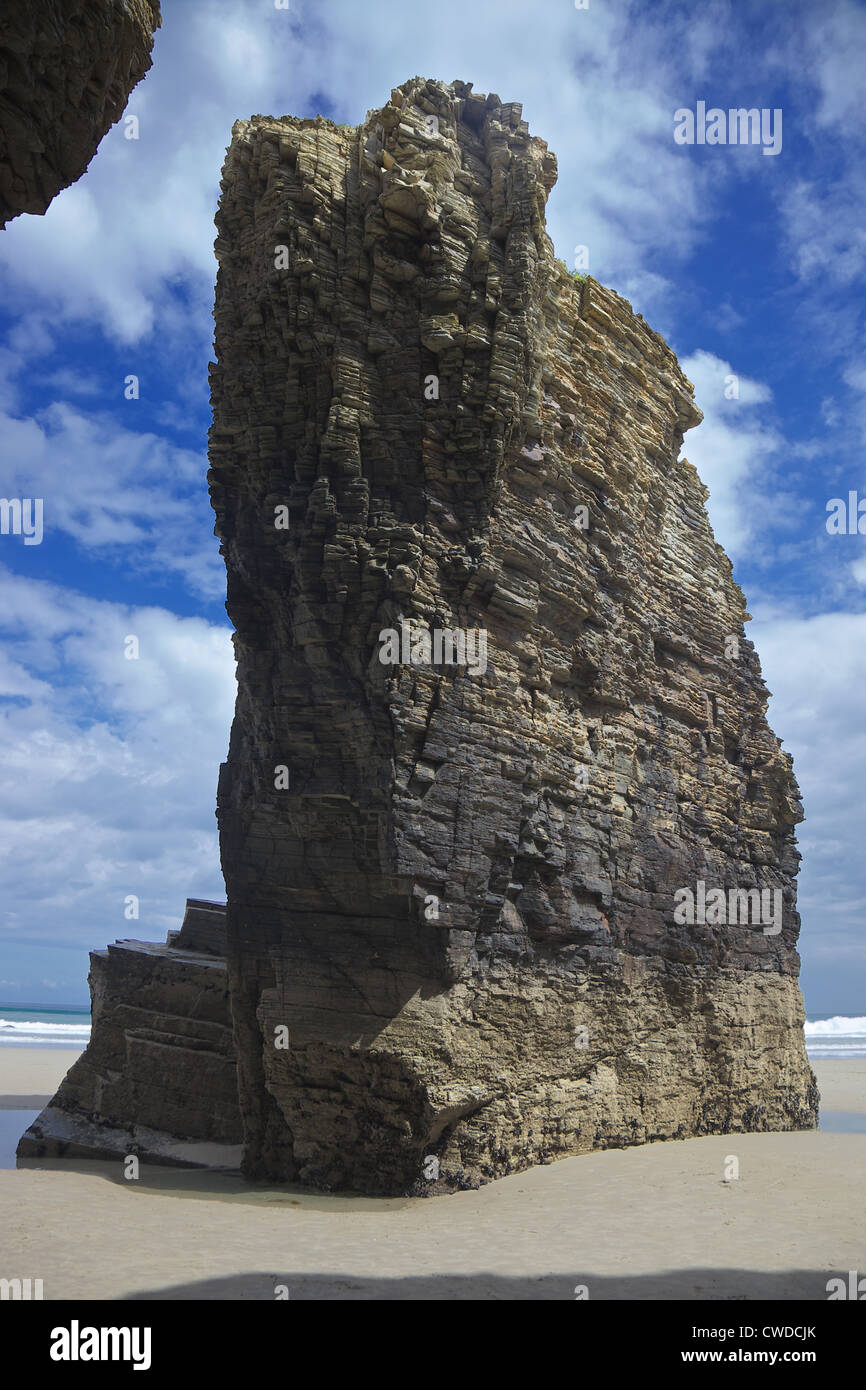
(740, 1285)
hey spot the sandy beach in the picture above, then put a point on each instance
(653, 1222)
(29, 1076)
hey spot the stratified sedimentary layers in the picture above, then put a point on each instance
(67, 68)
(158, 1078)
(453, 936)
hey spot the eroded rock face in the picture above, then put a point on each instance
(158, 1078)
(456, 885)
(67, 68)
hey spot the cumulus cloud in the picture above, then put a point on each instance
(837, 39)
(816, 669)
(131, 496)
(768, 493)
(108, 781)
(734, 451)
(825, 230)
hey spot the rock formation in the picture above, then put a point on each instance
(158, 1078)
(455, 877)
(67, 68)
(499, 729)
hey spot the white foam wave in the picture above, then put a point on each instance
(830, 1027)
(32, 1028)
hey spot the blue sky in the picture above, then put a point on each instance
(749, 265)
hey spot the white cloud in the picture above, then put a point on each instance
(727, 318)
(816, 669)
(822, 204)
(837, 39)
(70, 382)
(130, 495)
(108, 781)
(733, 450)
(825, 230)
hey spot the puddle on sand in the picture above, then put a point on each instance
(12, 1125)
(841, 1122)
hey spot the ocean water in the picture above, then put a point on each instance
(836, 1037)
(35, 1026)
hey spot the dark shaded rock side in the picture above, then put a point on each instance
(158, 1078)
(67, 68)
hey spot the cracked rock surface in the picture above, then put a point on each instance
(455, 887)
(67, 68)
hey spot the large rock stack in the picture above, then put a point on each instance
(67, 68)
(456, 877)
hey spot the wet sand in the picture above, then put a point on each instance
(32, 1074)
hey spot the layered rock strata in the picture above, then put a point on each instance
(454, 941)
(67, 68)
(158, 1078)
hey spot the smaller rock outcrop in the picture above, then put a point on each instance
(158, 1078)
(67, 68)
